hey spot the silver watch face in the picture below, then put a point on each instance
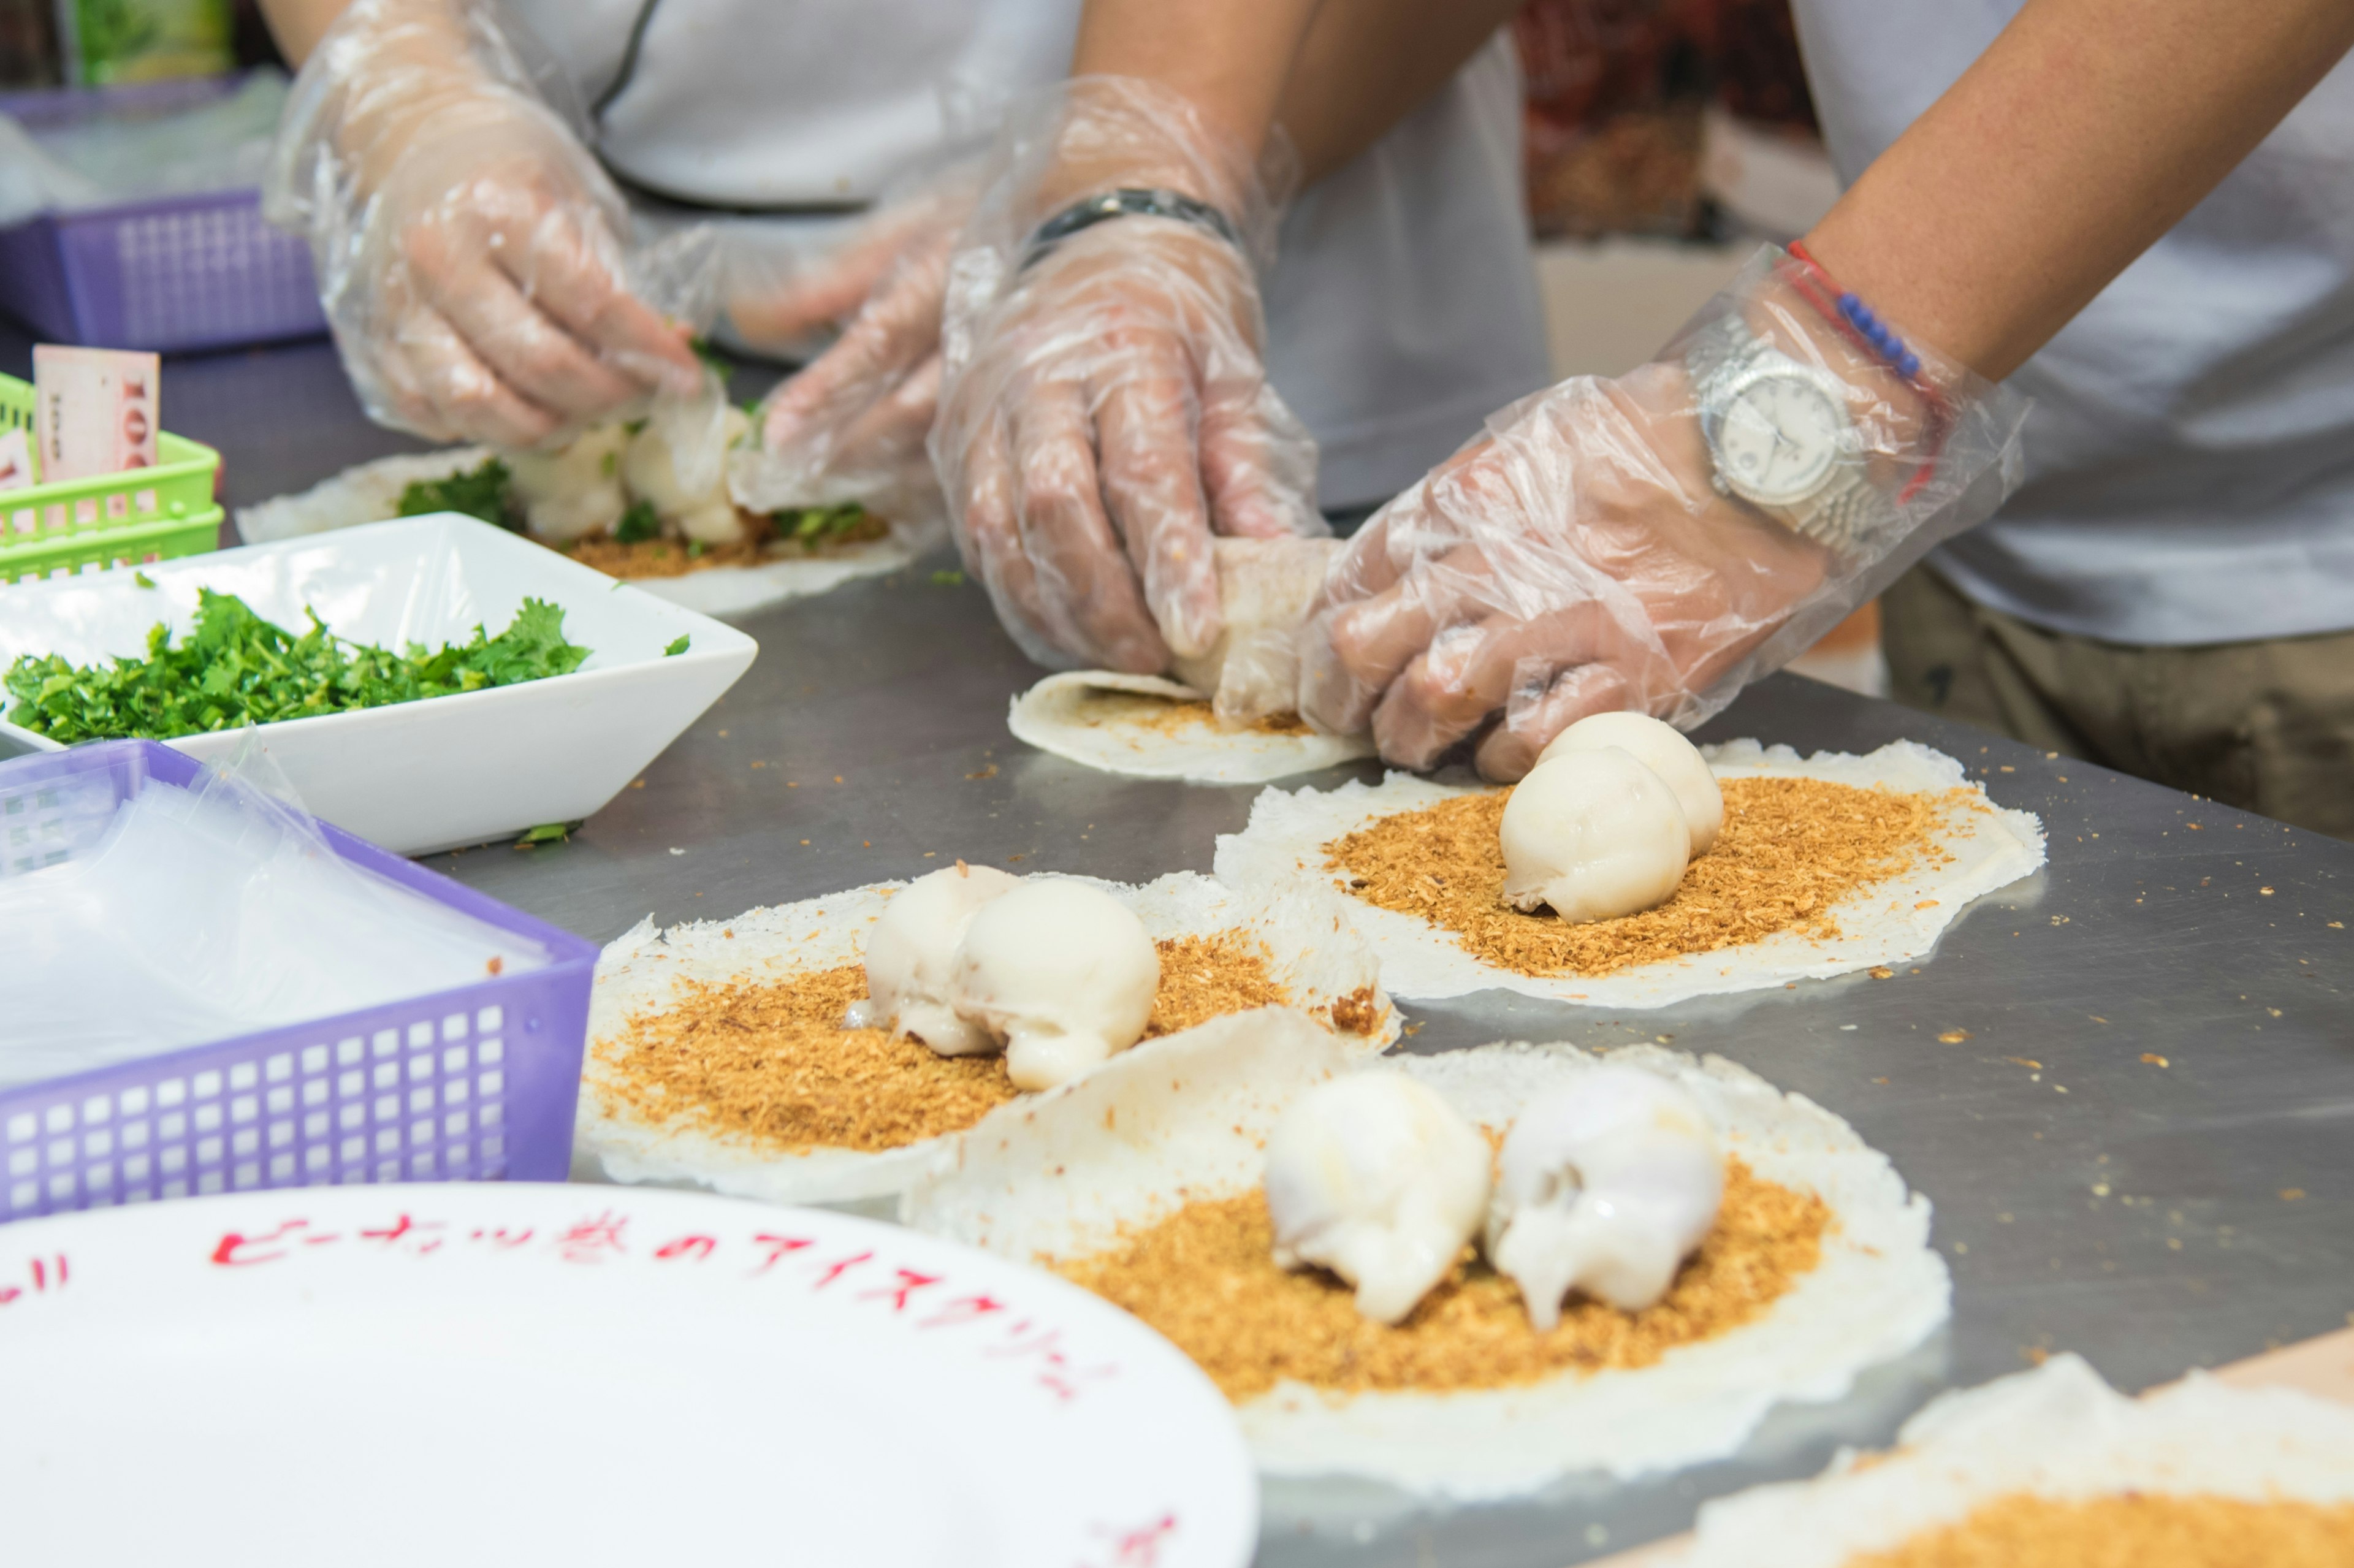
(1779, 437)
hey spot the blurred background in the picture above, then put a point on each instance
(1665, 138)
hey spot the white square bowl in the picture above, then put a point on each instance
(432, 775)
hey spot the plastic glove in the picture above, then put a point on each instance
(1105, 410)
(467, 246)
(1580, 556)
(851, 425)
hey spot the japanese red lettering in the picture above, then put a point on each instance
(231, 1252)
(589, 1240)
(696, 1247)
(910, 1283)
(779, 1248)
(839, 1269)
(963, 1310)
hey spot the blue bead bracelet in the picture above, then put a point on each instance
(1884, 343)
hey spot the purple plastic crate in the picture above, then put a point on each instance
(166, 274)
(474, 1084)
(183, 272)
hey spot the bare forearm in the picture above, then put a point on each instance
(298, 25)
(1230, 58)
(2087, 130)
(1365, 64)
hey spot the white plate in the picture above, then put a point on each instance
(509, 1374)
(417, 777)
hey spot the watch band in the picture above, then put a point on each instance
(1126, 202)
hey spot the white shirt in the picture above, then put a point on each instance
(1402, 307)
(2190, 458)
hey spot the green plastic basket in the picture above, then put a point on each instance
(117, 520)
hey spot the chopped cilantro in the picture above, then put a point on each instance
(708, 352)
(695, 549)
(677, 646)
(949, 579)
(811, 527)
(639, 523)
(142, 580)
(234, 669)
(487, 492)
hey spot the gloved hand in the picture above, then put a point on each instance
(850, 426)
(1582, 556)
(468, 247)
(1104, 410)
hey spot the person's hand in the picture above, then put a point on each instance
(1575, 561)
(850, 426)
(1106, 410)
(1579, 557)
(467, 245)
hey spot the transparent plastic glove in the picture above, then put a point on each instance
(1105, 410)
(851, 425)
(469, 248)
(1579, 557)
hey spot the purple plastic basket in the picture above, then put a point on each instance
(479, 1082)
(185, 273)
(165, 274)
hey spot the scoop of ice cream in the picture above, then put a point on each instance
(911, 958)
(1264, 587)
(1596, 835)
(1662, 748)
(1063, 973)
(1377, 1178)
(575, 489)
(1605, 1185)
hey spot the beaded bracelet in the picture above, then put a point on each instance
(1845, 308)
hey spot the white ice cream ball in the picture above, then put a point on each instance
(911, 956)
(1605, 1185)
(1375, 1177)
(1063, 973)
(651, 464)
(1596, 835)
(574, 491)
(716, 524)
(1661, 747)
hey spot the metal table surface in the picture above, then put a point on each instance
(2141, 1150)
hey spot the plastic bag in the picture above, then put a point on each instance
(180, 916)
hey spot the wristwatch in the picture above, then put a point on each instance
(1780, 437)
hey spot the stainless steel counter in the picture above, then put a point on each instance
(2173, 1186)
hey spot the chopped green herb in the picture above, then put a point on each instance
(949, 579)
(640, 521)
(695, 548)
(708, 352)
(236, 669)
(677, 646)
(487, 492)
(811, 527)
(142, 580)
(547, 832)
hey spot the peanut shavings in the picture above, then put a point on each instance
(1790, 849)
(771, 1063)
(1102, 708)
(1206, 1280)
(2134, 1529)
(1203, 977)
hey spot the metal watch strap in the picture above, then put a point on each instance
(1127, 202)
